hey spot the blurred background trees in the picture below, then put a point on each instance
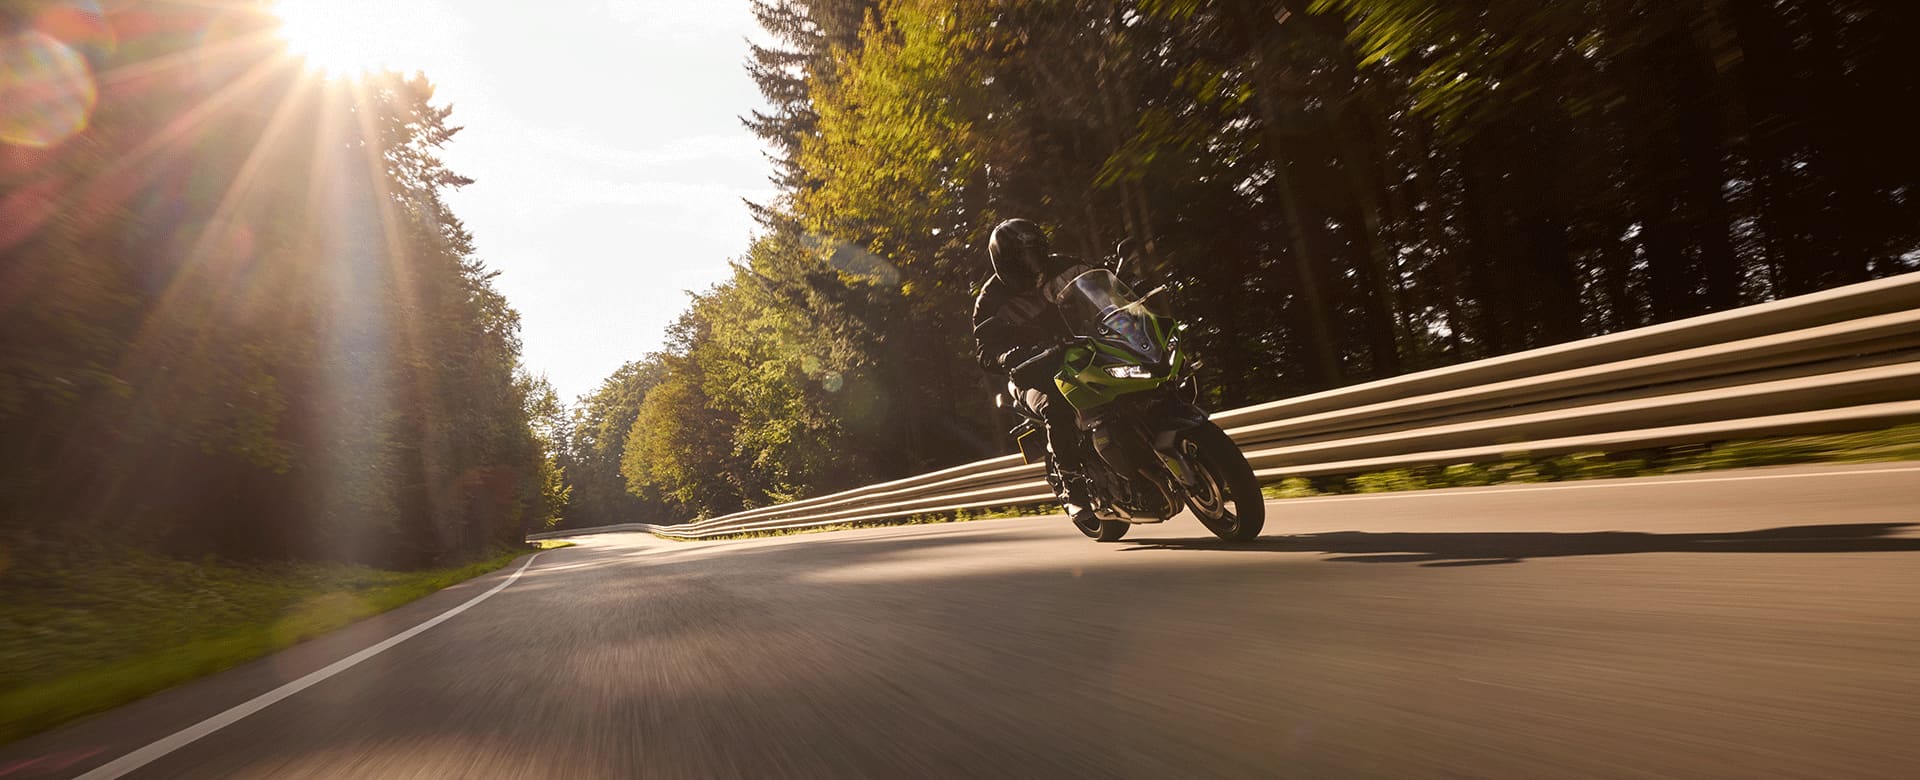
(239, 318)
(236, 315)
(1349, 190)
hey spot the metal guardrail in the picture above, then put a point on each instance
(598, 529)
(1839, 360)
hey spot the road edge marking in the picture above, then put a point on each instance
(179, 739)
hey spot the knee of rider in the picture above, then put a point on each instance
(1036, 400)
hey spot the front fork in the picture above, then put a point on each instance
(1179, 416)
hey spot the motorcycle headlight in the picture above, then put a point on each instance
(1129, 372)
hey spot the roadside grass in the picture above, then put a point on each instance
(1899, 443)
(85, 631)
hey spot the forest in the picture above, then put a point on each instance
(1341, 190)
(237, 318)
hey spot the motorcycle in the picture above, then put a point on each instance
(1132, 387)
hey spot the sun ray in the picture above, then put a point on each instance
(412, 339)
(260, 43)
(201, 251)
(168, 297)
(243, 182)
(347, 249)
(134, 168)
(352, 37)
(96, 196)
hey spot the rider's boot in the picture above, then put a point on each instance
(1073, 488)
(1073, 494)
(1063, 441)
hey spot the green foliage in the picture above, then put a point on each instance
(595, 441)
(1901, 443)
(1291, 487)
(243, 321)
(1388, 481)
(1898, 443)
(680, 446)
(550, 426)
(1343, 189)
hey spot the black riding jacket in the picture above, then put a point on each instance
(1011, 325)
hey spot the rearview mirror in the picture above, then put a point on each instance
(1126, 250)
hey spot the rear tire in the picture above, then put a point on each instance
(1101, 530)
(1094, 528)
(1234, 508)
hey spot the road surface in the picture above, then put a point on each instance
(1735, 624)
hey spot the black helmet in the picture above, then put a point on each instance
(1019, 252)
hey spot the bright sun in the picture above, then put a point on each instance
(344, 37)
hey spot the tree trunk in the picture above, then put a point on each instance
(1700, 130)
(1384, 319)
(1850, 221)
(1487, 274)
(1325, 356)
(1257, 23)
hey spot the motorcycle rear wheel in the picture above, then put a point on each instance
(1227, 499)
(1102, 530)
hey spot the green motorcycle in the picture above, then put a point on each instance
(1132, 387)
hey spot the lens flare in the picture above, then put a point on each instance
(80, 24)
(852, 260)
(47, 91)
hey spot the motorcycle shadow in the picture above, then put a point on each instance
(1480, 549)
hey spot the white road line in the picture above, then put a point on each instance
(1595, 485)
(147, 755)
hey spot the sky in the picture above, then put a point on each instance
(607, 152)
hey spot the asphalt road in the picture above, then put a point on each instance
(1737, 624)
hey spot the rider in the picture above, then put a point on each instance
(1013, 321)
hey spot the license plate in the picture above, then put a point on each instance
(1033, 446)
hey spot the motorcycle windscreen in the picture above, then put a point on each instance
(1097, 303)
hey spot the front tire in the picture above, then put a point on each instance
(1227, 497)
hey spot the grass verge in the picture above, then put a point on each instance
(1900, 443)
(86, 632)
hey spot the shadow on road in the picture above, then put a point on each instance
(1475, 549)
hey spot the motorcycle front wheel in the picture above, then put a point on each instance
(1226, 496)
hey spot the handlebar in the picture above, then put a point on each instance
(1047, 361)
(1052, 352)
